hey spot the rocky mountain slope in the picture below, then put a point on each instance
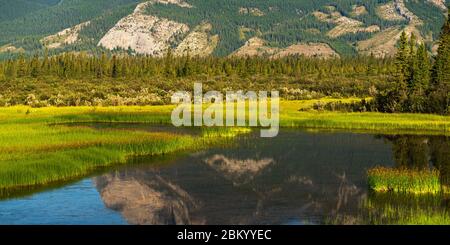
(273, 28)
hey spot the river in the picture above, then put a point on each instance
(299, 177)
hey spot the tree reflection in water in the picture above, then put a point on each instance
(422, 152)
(413, 152)
(296, 178)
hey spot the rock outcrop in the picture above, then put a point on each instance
(254, 47)
(257, 47)
(145, 34)
(251, 11)
(65, 37)
(383, 44)
(358, 10)
(344, 25)
(316, 50)
(389, 12)
(9, 48)
(199, 42)
(439, 3)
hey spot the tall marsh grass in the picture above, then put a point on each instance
(292, 116)
(37, 147)
(381, 179)
(405, 209)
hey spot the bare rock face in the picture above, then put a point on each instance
(151, 35)
(180, 3)
(199, 42)
(439, 3)
(317, 50)
(257, 47)
(143, 33)
(359, 10)
(9, 48)
(388, 12)
(405, 12)
(384, 44)
(64, 37)
(254, 47)
(251, 11)
(344, 25)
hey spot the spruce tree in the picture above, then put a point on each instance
(440, 81)
(11, 71)
(399, 97)
(420, 82)
(45, 63)
(124, 68)
(21, 66)
(115, 68)
(35, 66)
(2, 72)
(412, 67)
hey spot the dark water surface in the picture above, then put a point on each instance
(299, 177)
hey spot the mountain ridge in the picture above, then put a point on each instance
(347, 27)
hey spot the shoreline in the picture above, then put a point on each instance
(38, 149)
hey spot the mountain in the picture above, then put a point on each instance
(274, 28)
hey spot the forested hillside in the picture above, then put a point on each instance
(26, 30)
(254, 27)
(12, 9)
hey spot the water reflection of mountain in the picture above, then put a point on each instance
(239, 171)
(152, 200)
(295, 178)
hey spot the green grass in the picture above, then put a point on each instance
(366, 121)
(390, 208)
(425, 218)
(38, 147)
(404, 209)
(383, 179)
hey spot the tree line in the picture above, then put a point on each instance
(73, 79)
(82, 65)
(419, 86)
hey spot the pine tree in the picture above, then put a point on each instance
(103, 65)
(21, 66)
(440, 81)
(412, 67)
(421, 79)
(115, 68)
(124, 68)
(187, 67)
(2, 72)
(11, 71)
(45, 63)
(169, 70)
(35, 66)
(400, 94)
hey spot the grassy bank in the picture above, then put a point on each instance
(382, 179)
(292, 116)
(389, 208)
(404, 209)
(38, 147)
